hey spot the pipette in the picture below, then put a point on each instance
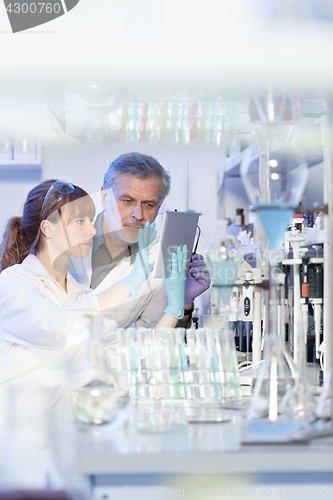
(212, 355)
(180, 337)
(190, 334)
(173, 363)
(201, 343)
(161, 336)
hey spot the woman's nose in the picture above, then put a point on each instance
(92, 229)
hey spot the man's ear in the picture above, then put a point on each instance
(46, 229)
(103, 197)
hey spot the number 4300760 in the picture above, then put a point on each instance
(33, 8)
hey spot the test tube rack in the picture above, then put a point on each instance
(162, 366)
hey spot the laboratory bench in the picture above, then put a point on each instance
(212, 452)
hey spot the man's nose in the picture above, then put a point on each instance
(137, 212)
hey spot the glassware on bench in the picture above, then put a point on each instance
(97, 395)
(274, 182)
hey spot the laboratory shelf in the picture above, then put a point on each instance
(231, 166)
(22, 169)
(315, 237)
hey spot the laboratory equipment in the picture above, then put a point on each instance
(257, 314)
(222, 255)
(178, 365)
(240, 319)
(6, 148)
(296, 261)
(274, 189)
(275, 114)
(24, 150)
(88, 107)
(97, 395)
(248, 297)
(315, 279)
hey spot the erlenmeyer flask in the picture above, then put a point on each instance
(276, 376)
(97, 395)
(299, 403)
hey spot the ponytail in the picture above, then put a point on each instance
(14, 247)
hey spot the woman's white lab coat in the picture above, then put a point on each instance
(41, 324)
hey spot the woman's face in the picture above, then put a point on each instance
(72, 235)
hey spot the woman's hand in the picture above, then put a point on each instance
(142, 268)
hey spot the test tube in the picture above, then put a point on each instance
(173, 363)
(212, 356)
(161, 335)
(180, 339)
(201, 342)
(190, 335)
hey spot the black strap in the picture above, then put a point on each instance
(189, 312)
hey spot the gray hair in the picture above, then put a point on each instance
(137, 164)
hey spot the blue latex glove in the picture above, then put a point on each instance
(175, 283)
(197, 280)
(142, 268)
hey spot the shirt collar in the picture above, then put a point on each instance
(99, 239)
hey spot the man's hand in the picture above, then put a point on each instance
(197, 279)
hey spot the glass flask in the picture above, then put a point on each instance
(275, 115)
(88, 109)
(275, 377)
(97, 395)
(299, 403)
(222, 255)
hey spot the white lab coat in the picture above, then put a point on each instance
(146, 308)
(41, 325)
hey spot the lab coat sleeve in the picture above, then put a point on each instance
(29, 318)
(154, 309)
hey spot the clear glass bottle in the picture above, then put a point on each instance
(97, 394)
(222, 254)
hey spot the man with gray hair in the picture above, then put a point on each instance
(134, 188)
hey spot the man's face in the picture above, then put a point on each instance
(130, 204)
